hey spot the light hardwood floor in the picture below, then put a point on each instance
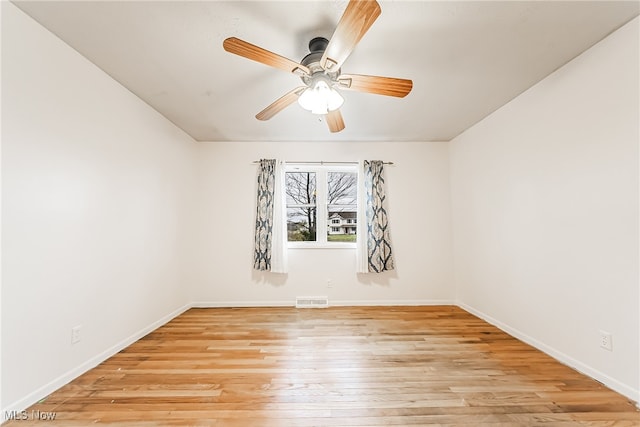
(341, 366)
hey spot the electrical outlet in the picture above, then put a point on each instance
(75, 334)
(329, 283)
(606, 340)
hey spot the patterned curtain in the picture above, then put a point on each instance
(264, 214)
(379, 252)
(270, 251)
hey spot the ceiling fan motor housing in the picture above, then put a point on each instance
(317, 46)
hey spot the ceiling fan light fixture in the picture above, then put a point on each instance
(320, 70)
(320, 98)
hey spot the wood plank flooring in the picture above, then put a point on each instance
(341, 366)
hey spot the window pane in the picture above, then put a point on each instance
(342, 208)
(301, 206)
(301, 224)
(301, 188)
(342, 188)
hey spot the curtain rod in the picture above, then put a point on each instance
(321, 162)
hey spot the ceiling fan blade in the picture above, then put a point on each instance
(258, 54)
(356, 20)
(335, 121)
(388, 86)
(280, 103)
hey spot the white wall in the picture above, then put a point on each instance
(95, 213)
(420, 217)
(545, 213)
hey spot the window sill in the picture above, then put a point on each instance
(313, 245)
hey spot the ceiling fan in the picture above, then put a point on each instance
(320, 70)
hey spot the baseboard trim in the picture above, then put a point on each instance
(69, 376)
(332, 303)
(239, 304)
(561, 357)
(385, 303)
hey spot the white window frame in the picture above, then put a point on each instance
(322, 220)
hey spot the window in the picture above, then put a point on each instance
(321, 205)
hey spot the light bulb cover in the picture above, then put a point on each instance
(319, 98)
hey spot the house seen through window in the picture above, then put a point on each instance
(321, 205)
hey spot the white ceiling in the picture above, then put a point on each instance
(466, 59)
